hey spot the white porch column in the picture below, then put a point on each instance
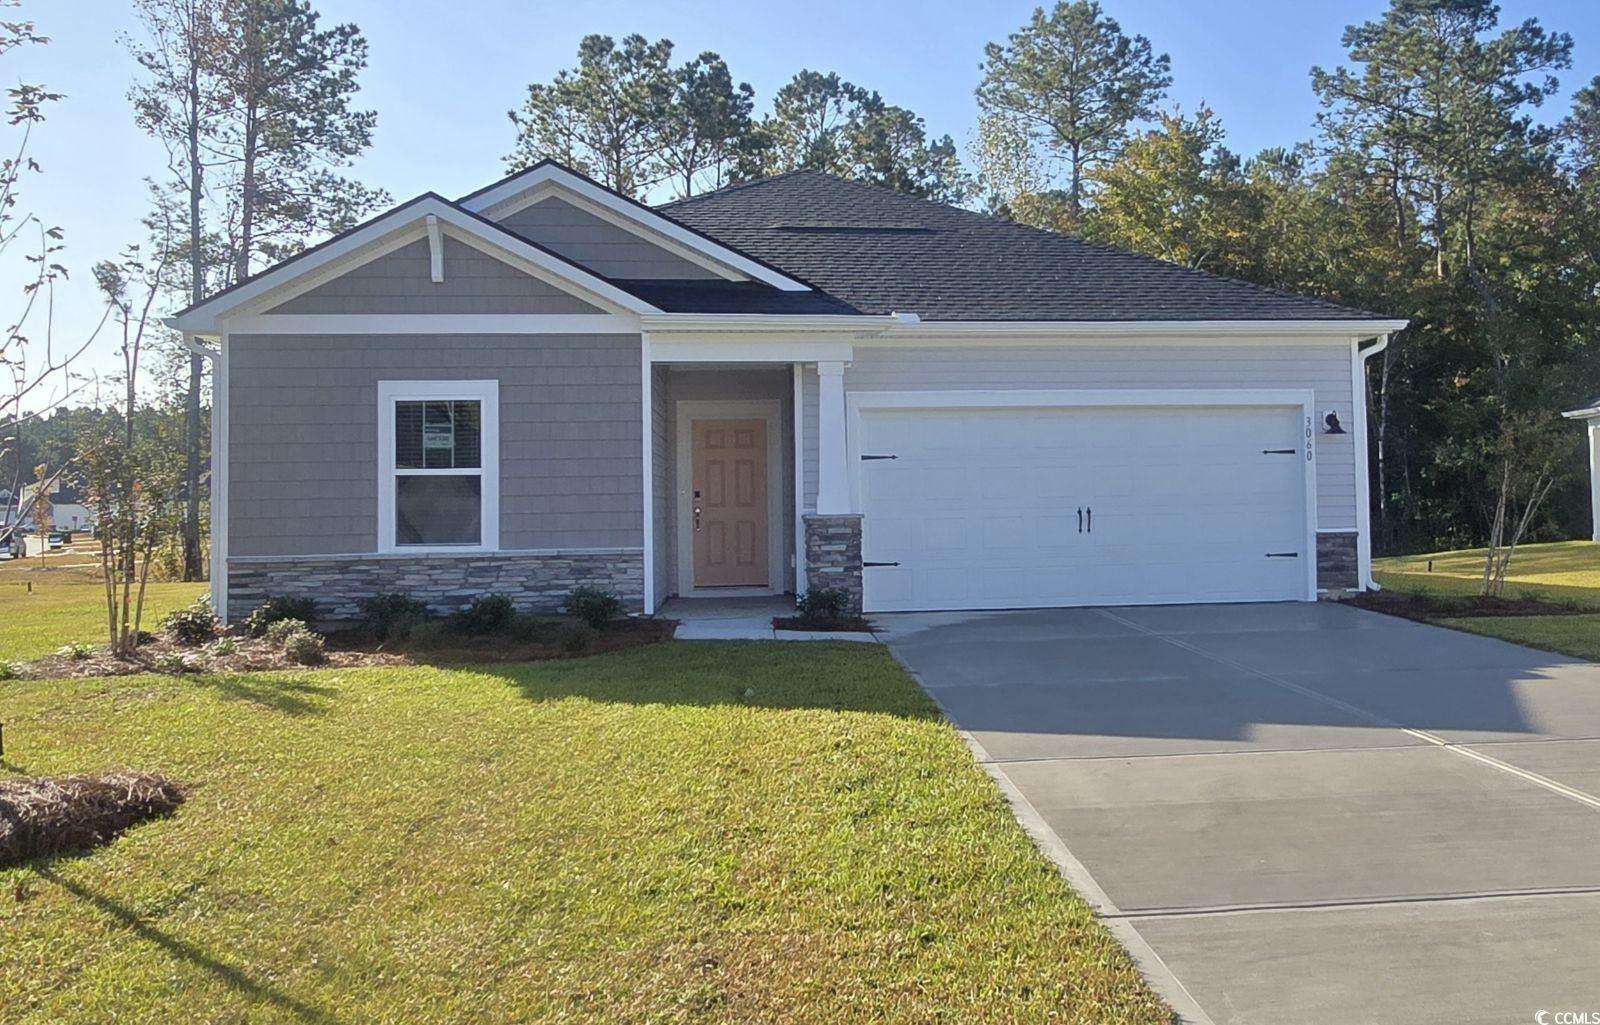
(833, 480)
(1594, 479)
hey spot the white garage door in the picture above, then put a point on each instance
(1039, 507)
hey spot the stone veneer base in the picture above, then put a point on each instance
(833, 555)
(1336, 562)
(537, 582)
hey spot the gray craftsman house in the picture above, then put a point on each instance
(795, 383)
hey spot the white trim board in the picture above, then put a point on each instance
(433, 324)
(1302, 399)
(684, 413)
(487, 393)
(503, 197)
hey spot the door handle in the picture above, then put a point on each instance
(1091, 519)
(1080, 519)
(697, 517)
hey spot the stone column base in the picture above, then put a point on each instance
(833, 555)
(1336, 563)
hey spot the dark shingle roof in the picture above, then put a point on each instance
(714, 296)
(880, 251)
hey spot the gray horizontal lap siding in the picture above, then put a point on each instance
(402, 282)
(303, 445)
(599, 245)
(1322, 367)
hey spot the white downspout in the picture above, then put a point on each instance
(1359, 357)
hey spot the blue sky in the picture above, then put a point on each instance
(443, 76)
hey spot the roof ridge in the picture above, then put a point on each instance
(733, 187)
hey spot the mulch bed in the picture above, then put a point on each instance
(41, 816)
(1411, 606)
(856, 625)
(535, 641)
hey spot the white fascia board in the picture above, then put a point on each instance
(408, 217)
(432, 324)
(508, 191)
(1342, 329)
(1590, 413)
(748, 323)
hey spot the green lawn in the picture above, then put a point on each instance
(1563, 571)
(624, 838)
(66, 604)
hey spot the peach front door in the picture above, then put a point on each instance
(730, 503)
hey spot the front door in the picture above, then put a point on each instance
(730, 503)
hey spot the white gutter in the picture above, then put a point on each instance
(1363, 473)
(1582, 414)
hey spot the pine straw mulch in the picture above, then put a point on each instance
(849, 624)
(41, 816)
(1430, 607)
(534, 641)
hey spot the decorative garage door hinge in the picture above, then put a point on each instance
(879, 457)
(1283, 555)
(869, 565)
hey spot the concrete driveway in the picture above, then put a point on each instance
(1299, 813)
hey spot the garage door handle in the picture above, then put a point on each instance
(1277, 451)
(1090, 512)
(870, 565)
(1283, 555)
(1080, 519)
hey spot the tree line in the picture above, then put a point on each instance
(1436, 186)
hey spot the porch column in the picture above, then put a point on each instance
(833, 481)
(1594, 478)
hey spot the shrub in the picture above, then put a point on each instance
(488, 614)
(425, 634)
(824, 603)
(77, 652)
(175, 662)
(306, 648)
(381, 613)
(193, 625)
(8, 670)
(280, 631)
(224, 646)
(276, 610)
(594, 606)
(577, 638)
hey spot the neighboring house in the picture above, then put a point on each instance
(793, 383)
(67, 509)
(1590, 415)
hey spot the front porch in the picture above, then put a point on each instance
(749, 495)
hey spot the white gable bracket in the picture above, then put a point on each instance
(435, 250)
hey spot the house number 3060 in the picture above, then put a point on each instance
(1310, 434)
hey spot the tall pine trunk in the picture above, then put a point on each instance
(193, 568)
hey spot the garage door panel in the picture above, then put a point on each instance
(981, 506)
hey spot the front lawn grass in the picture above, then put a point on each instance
(624, 838)
(66, 604)
(1561, 573)
(1578, 636)
(1557, 570)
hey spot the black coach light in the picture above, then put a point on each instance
(1330, 423)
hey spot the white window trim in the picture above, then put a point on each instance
(485, 392)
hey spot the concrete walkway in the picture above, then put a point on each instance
(742, 619)
(1298, 814)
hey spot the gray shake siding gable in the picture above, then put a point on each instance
(401, 282)
(602, 247)
(303, 446)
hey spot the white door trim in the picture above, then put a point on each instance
(1304, 399)
(689, 410)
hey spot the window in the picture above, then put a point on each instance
(438, 465)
